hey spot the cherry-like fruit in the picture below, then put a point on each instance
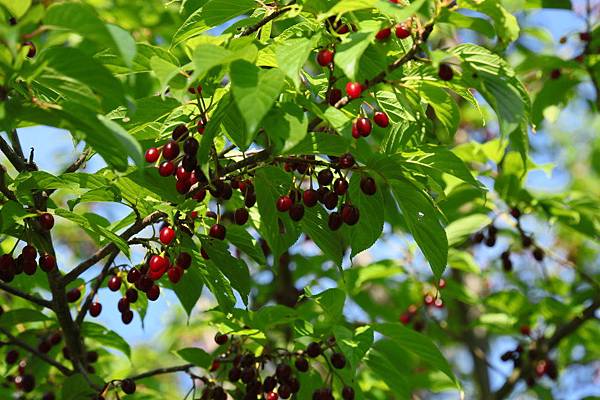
(217, 231)
(284, 203)
(167, 235)
(114, 283)
(368, 186)
(402, 31)
(445, 72)
(353, 90)
(166, 168)
(152, 155)
(46, 221)
(381, 119)
(383, 34)
(363, 125)
(325, 57)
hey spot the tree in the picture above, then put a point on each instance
(344, 181)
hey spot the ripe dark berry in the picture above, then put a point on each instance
(240, 216)
(11, 357)
(29, 266)
(526, 241)
(250, 199)
(347, 393)
(153, 293)
(313, 349)
(346, 161)
(350, 214)
(325, 177)
(272, 396)
(301, 364)
(152, 154)
(182, 174)
(189, 162)
(131, 295)
(555, 74)
(402, 32)
(190, 146)
(29, 252)
(515, 212)
(179, 131)
(182, 187)
(490, 241)
(363, 125)
(166, 168)
(133, 275)
(355, 131)
(114, 283)
(325, 57)
(269, 384)
(127, 317)
(383, 34)
(330, 200)
(353, 90)
(284, 391)
(184, 260)
(46, 221)
(381, 119)
(323, 394)
(170, 150)
(31, 51)
(25, 383)
(284, 203)
(128, 386)
(217, 231)
(294, 384)
(201, 126)
(583, 36)
(506, 262)
(335, 221)
(368, 186)
(221, 339)
(310, 198)
(335, 95)
(445, 72)
(200, 195)
(538, 254)
(296, 212)
(283, 372)
(95, 309)
(235, 374)
(167, 234)
(338, 360)
(73, 295)
(123, 305)
(340, 186)
(248, 374)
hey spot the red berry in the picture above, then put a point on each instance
(221, 339)
(347, 393)
(402, 32)
(11, 357)
(445, 72)
(133, 275)
(313, 349)
(179, 131)
(128, 386)
(343, 29)
(555, 74)
(114, 283)
(47, 262)
(383, 34)
(29, 266)
(525, 330)
(190, 146)
(166, 168)
(31, 51)
(200, 195)
(95, 309)
(405, 318)
(184, 260)
(201, 126)
(330, 200)
(46, 221)
(175, 273)
(353, 89)
(152, 154)
(363, 125)
(240, 216)
(182, 174)
(338, 360)
(325, 57)
(123, 305)
(204, 254)
(296, 212)
(335, 95)
(217, 231)
(153, 293)
(29, 252)
(272, 396)
(131, 295)
(158, 263)
(73, 295)
(310, 198)
(355, 131)
(284, 203)
(585, 36)
(335, 221)
(127, 317)
(346, 161)
(170, 150)
(340, 186)
(325, 177)
(368, 186)
(350, 214)
(167, 234)
(381, 119)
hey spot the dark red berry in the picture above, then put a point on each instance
(201, 126)
(284, 203)
(29, 252)
(29, 266)
(538, 254)
(330, 200)
(234, 374)
(55, 338)
(346, 161)
(325, 57)
(200, 195)
(350, 214)
(152, 155)
(26, 382)
(363, 125)
(189, 163)
(381, 119)
(48, 396)
(310, 198)
(217, 231)
(127, 317)
(153, 293)
(179, 131)
(114, 283)
(383, 34)
(347, 393)
(123, 304)
(338, 360)
(445, 72)
(368, 186)
(353, 90)
(335, 221)
(335, 95)
(325, 177)
(184, 260)
(73, 295)
(340, 186)
(46, 221)
(175, 273)
(402, 31)
(272, 396)
(31, 51)
(296, 212)
(190, 146)
(158, 263)
(145, 283)
(301, 364)
(585, 36)
(284, 391)
(167, 234)
(240, 216)
(11, 357)
(128, 386)
(250, 199)
(170, 150)
(248, 374)
(555, 74)
(221, 339)
(133, 275)
(131, 295)
(283, 372)
(355, 131)
(166, 168)
(313, 349)
(95, 309)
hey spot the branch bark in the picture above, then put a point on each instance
(17, 162)
(34, 299)
(251, 29)
(162, 371)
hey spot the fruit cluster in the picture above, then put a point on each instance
(417, 314)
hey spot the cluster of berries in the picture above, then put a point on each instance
(411, 315)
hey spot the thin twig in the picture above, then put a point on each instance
(251, 29)
(16, 143)
(12, 156)
(98, 282)
(34, 299)
(162, 371)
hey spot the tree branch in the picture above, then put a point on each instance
(16, 143)
(162, 371)
(13, 157)
(106, 250)
(3, 188)
(17, 342)
(560, 333)
(251, 29)
(34, 299)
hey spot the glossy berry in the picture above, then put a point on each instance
(338, 360)
(127, 317)
(217, 231)
(402, 31)
(175, 273)
(170, 150)
(283, 372)
(538, 254)
(26, 383)
(301, 364)
(340, 186)
(123, 305)
(158, 263)
(335, 95)
(364, 127)
(166, 168)
(31, 49)
(153, 293)
(353, 90)
(184, 260)
(73, 295)
(272, 396)
(152, 155)
(47, 262)
(221, 339)
(179, 131)
(383, 34)
(201, 126)
(330, 200)
(284, 203)
(95, 309)
(114, 283)
(190, 146)
(234, 374)
(368, 185)
(11, 357)
(350, 214)
(128, 386)
(585, 36)
(29, 252)
(347, 393)
(133, 275)
(313, 349)
(381, 119)
(555, 74)
(325, 57)
(131, 295)
(240, 216)
(296, 212)
(284, 391)
(346, 161)
(445, 72)
(325, 177)
(355, 131)
(310, 198)
(182, 174)
(167, 234)
(46, 221)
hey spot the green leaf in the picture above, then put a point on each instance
(16, 8)
(76, 387)
(269, 316)
(506, 24)
(123, 140)
(332, 302)
(348, 54)
(11, 318)
(445, 107)
(106, 337)
(189, 289)
(254, 91)
(13, 213)
(210, 15)
(196, 356)
(240, 238)
(292, 55)
(355, 344)
(218, 285)
(418, 344)
(370, 225)
(315, 224)
(460, 230)
(422, 222)
(286, 125)
(164, 71)
(386, 368)
(459, 20)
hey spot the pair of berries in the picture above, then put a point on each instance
(362, 126)
(401, 30)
